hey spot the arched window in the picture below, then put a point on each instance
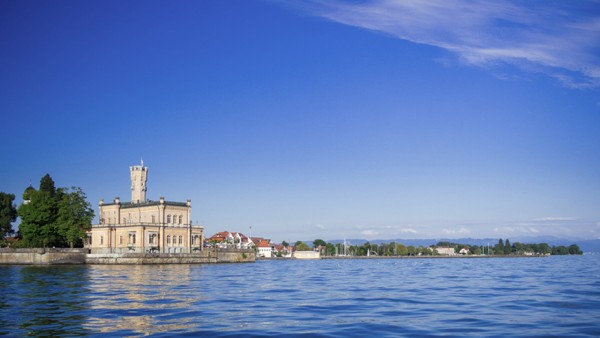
(180, 240)
(180, 219)
(169, 240)
(168, 219)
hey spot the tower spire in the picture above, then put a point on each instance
(139, 175)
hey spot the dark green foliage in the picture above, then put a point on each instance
(318, 242)
(38, 220)
(301, 246)
(47, 185)
(329, 249)
(507, 247)
(560, 250)
(74, 216)
(8, 214)
(54, 217)
(574, 250)
(499, 248)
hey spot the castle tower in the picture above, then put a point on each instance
(139, 175)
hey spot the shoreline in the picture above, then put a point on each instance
(404, 257)
(46, 256)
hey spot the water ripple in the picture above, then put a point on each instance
(556, 296)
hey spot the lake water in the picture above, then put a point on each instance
(554, 296)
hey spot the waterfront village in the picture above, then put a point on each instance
(146, 231)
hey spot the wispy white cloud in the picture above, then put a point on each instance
(516, 229)
(369, 233)
(319, 226)
(407, 231)
(459, 231)
(559, 38)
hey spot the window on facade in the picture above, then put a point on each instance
(180, 240)
(180, 219)
(168, 219)
(101, 240)
(120, 239)
(153, 219)
(133, 238)
(168, 239)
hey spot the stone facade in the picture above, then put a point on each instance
(144, 226)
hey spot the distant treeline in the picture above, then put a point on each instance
(502, 248)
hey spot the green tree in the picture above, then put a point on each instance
(285, 244)
(301, 246)
(560, 250)
(74, 216)
(47, 185)
(401, 250)
(38, 220)
(574, 250)
(499, 248)
(318, 242)
(8, 214)
(330, 249)
(507, 247)
(544, 248)
(54, 217)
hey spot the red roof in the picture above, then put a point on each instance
(264, 244)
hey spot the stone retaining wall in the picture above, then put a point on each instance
(42, 256)
(80, 256)
(204, 257)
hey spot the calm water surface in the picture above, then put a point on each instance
(555, 296)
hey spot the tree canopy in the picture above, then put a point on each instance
(301, 246)
(54, 217)
(319, 242)
(8, 214)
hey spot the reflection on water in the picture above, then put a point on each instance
(140, 299)
(556, 296)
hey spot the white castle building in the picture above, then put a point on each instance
(142, 226)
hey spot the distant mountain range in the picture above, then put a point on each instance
(589, 245)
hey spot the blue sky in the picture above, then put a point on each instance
(314, 119)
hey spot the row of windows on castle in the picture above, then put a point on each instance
(175, 220)
(154, 238)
